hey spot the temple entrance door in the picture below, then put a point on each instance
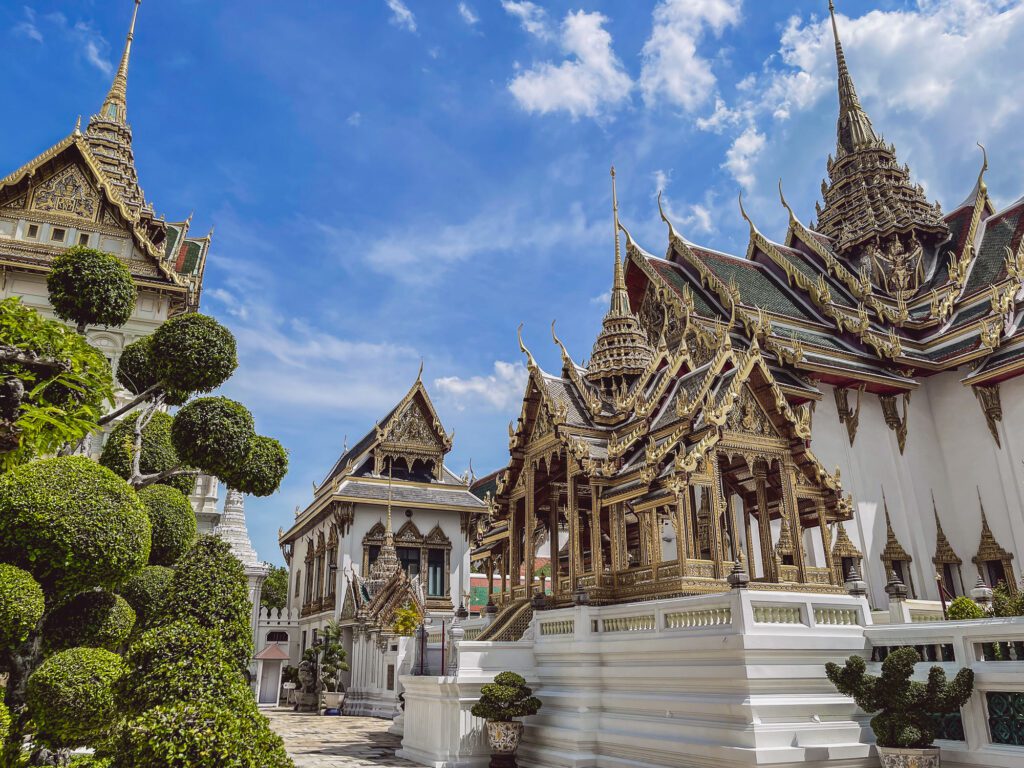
(270, 683)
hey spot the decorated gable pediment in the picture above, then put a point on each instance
(377, 532)
(437, 536)
(411, 427)
(409, 534)
(749, 417)
(68, 192)
(348, 607)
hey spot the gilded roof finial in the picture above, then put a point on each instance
(115, 108)
(620, 299)
(419, 375)
(78, 126)
(782, 197)
(530, 362)
(854, 126)
(743, 212)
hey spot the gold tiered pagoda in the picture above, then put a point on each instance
(681, 453)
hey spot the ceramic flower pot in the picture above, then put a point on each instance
(893, 757)
(503, 738)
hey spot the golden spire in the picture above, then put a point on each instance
(854, 126)
(620, 299)
(115, 108)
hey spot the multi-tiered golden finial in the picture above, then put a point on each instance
(854, 127)
(115, 108)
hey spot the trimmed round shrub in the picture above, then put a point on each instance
(158, 454)
(145, 593)
(214, 434)
(963, 609)
(135, 368)
(199, 735)
(180, 662)
(71, 697)
(263, 469)
(91, 619)
(72, 524)
(21, 605)
(173, 522)
(193, 353)
(209, 587)
(90, 287)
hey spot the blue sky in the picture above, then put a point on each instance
(393, 180)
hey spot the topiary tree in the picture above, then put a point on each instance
(275, 589)
(72, 524)
(964, 609)
(263, 469)
(90, 287)
(214, 433)
(507, 698)
(21, 605)
(145, 593)
(173, 521)
(71, 697)
(905, 707)
(95, 619)
(209, 588)
(180, 662)
(193, 353)
(158, 455)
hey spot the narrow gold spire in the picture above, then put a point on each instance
(620, 299)
(854, 127)
(115, 108)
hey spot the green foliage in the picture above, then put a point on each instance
(173, 521)
(158, 454)
(90, 287)
(508, 697)
(905, 707)
(5, 722)
(92, 619)
(213, 434)
(209, 587)
(71, 697)
(193, 353)
(89, 761)
(135, 369)
(263, 469)
(21, 605)
(72, 524)
(145, 593)
(275, 589)
(332, 657)
(407, 618)
(1007, 604)
(199, 735)
(963, 609)
(180, 662)
(61, 403)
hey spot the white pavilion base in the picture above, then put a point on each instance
(715, 681)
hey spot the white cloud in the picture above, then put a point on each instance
(532, 17)
(27, 27)
(602, 299)
(587, 84)
(742, 155)
(355, 119)
(693, 218)
(94, 47)
(500, 390)
(673, 69)
(468, 14)
(401, 16)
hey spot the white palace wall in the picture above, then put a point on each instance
(949, 451)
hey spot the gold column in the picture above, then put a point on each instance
(792, 508)
(655, 537)
(730, 526)
(530, 527)
(643, 532)
(572, 510)
(556, 587)
(596, 545)
(513, 543)
(826, 541)
(749, 536)
(764, 522)
(615, 521)
(682, 527)
(716, 507)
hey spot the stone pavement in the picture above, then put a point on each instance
(315, 741)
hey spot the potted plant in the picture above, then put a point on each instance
(332, 664)
(905, 724)
(290, 682)
(507, 698)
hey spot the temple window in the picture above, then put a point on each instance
(951, 579)
(436, 574)
(83, 238)
(277, 637)
(298, 581)
(32, 232)
(58, 235)
(902, 570)
(995, 573)
(410, 560)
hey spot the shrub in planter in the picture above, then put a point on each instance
(173, 521)
(180, 662)
(905, 707)
(209, 587)
(963, 609)
(158, 455)
(198, 735)
(71, 697)
(145, 593)
(507, 698)
(21, 605)
(91, 619)
(72, 524)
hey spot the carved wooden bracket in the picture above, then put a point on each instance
(851, 418)
(893, 420)
(992, 407)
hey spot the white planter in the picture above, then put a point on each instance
(893, 757)
(333, 700)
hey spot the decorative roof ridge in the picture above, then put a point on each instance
(980, 189)
(384, 430)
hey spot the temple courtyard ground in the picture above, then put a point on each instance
(314, 741)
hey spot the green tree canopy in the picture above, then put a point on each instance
(158, 454)
(275, 589)
(21, 605)
(90, 287)
(173, 521)
(263, 469)
(213, 434)
(94, 619)
(145, 593)
(193, 353)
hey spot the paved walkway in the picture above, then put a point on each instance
(315, 741)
